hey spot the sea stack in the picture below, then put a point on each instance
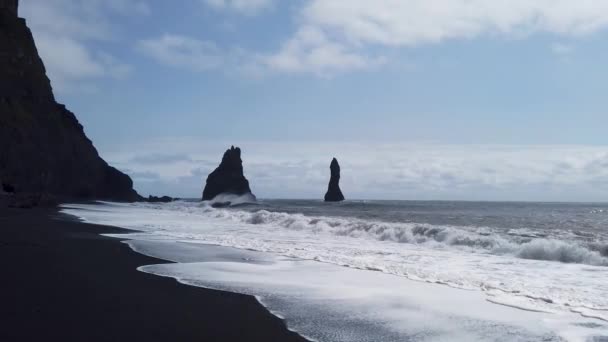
(43, 147)
(228, 178)
(334, 194)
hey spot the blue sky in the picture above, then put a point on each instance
(418, 99)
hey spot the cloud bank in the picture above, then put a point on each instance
(379, 171)
(327, 36)
(358, 26)
(336, 36)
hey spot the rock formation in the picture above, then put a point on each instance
(10, 6)
(334, 194)
(8, 188)
(43, 148)
(162, 199)
(227, 178)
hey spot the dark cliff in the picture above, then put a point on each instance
(43, 148)
(228, 177)
(334, 194)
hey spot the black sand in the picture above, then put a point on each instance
(62, 281)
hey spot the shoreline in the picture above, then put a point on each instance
(67, 281)
(242, 252)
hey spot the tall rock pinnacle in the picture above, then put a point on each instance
(228, 178)
(334, 194)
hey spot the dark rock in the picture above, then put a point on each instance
(43, 147)
(228, 178)
(163, 199)
(334, 194)
(8, 188)
(31, 200)
(10, 6)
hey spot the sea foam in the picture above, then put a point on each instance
(432, 235)
(545, 274)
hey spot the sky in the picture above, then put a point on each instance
(418, 99)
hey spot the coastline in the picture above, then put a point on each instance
(65, 281)
(296, 269)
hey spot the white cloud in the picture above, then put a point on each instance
(377, 170)
(198, 55)
(311, 51)
(355, 26)
(69, 63)
(64, 31)
(181, 51)
(248, 7)
(411, 22)
(67, 58)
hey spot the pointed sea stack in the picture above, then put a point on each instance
(43, 147)
(334, 194)
(228, 178)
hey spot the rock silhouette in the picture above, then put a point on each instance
(334, 194)
(162, 199)
(43, 147)
(228, 177)
(8, 188)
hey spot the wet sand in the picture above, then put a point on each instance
(63, 281)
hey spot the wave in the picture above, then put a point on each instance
(490, 259)
(232, 200)
(477, 239)
(600, 248)
(556, 250)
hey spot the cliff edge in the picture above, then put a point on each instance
(43, 147)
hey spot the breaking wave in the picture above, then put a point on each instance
(500, 261)
(477, 239)
(556, 250)
(232, 200)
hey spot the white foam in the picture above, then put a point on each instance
(417, 233)
(542, 249)
(454, 256)
(232, 199)
(330, 303)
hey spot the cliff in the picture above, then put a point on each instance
(334, 194)
(43, 147)
(228, 177)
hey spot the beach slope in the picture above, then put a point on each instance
(64, 282)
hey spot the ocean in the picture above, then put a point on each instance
(389, 270)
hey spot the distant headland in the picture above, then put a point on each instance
(44, 152)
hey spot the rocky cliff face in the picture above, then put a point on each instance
(43, 148)
(334, 194)
(228, 178)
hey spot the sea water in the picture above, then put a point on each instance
(389, 270)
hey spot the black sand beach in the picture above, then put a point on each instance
(62, 281)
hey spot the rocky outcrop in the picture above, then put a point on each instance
(31, 200)
(162, 199)
(334, 194)
(43, 147)
(228, 178)
(7, 188)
